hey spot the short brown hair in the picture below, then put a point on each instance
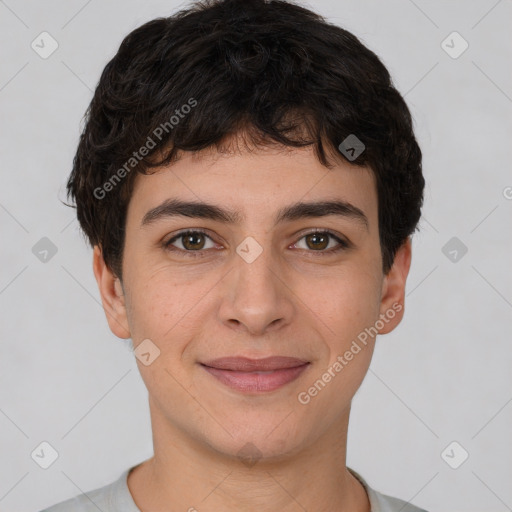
(273, 69)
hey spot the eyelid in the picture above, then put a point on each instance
(343, 243)
(167, 244)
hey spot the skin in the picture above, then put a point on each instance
(292, 300)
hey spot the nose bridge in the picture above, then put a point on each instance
(257, 297)
(255, 268)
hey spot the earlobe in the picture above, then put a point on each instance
(393, 289)
(112, 296)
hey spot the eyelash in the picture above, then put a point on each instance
(343, 245)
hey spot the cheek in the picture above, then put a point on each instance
(348, 307)
(346, 303)
(173, 312)
(160, 304)
(167, 314)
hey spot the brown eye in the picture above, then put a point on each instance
(317, 241)
(193, 241)
(322, 242)
(190, 242)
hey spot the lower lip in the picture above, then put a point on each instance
(250, 382)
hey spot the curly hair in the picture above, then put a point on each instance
(272, 70)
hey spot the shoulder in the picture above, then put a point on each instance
(385, 503)
(89, 501)
(108, 498)
(382, 502)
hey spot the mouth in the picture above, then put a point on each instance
(256, 375)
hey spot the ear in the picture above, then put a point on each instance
(393, 289)
(112, 296)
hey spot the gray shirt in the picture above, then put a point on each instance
(116, 497)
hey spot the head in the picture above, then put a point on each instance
(230, 217)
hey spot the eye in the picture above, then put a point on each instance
(319, 241)
(190, 241)
(195, 242)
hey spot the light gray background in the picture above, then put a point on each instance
(442, 376)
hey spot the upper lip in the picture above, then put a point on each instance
(245, 364)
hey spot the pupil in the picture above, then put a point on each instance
(315, 238)
(191, 241)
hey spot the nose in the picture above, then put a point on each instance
(256, 297)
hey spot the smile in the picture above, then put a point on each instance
(253, 375)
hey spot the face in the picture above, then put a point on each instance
(285, 263)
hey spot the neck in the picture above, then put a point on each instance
(186, 474)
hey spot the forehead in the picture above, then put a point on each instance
(256, 183)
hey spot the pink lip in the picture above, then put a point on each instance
(240, 373)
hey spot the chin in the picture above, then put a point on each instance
(264, 440)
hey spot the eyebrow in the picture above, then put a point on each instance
(301, 210)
